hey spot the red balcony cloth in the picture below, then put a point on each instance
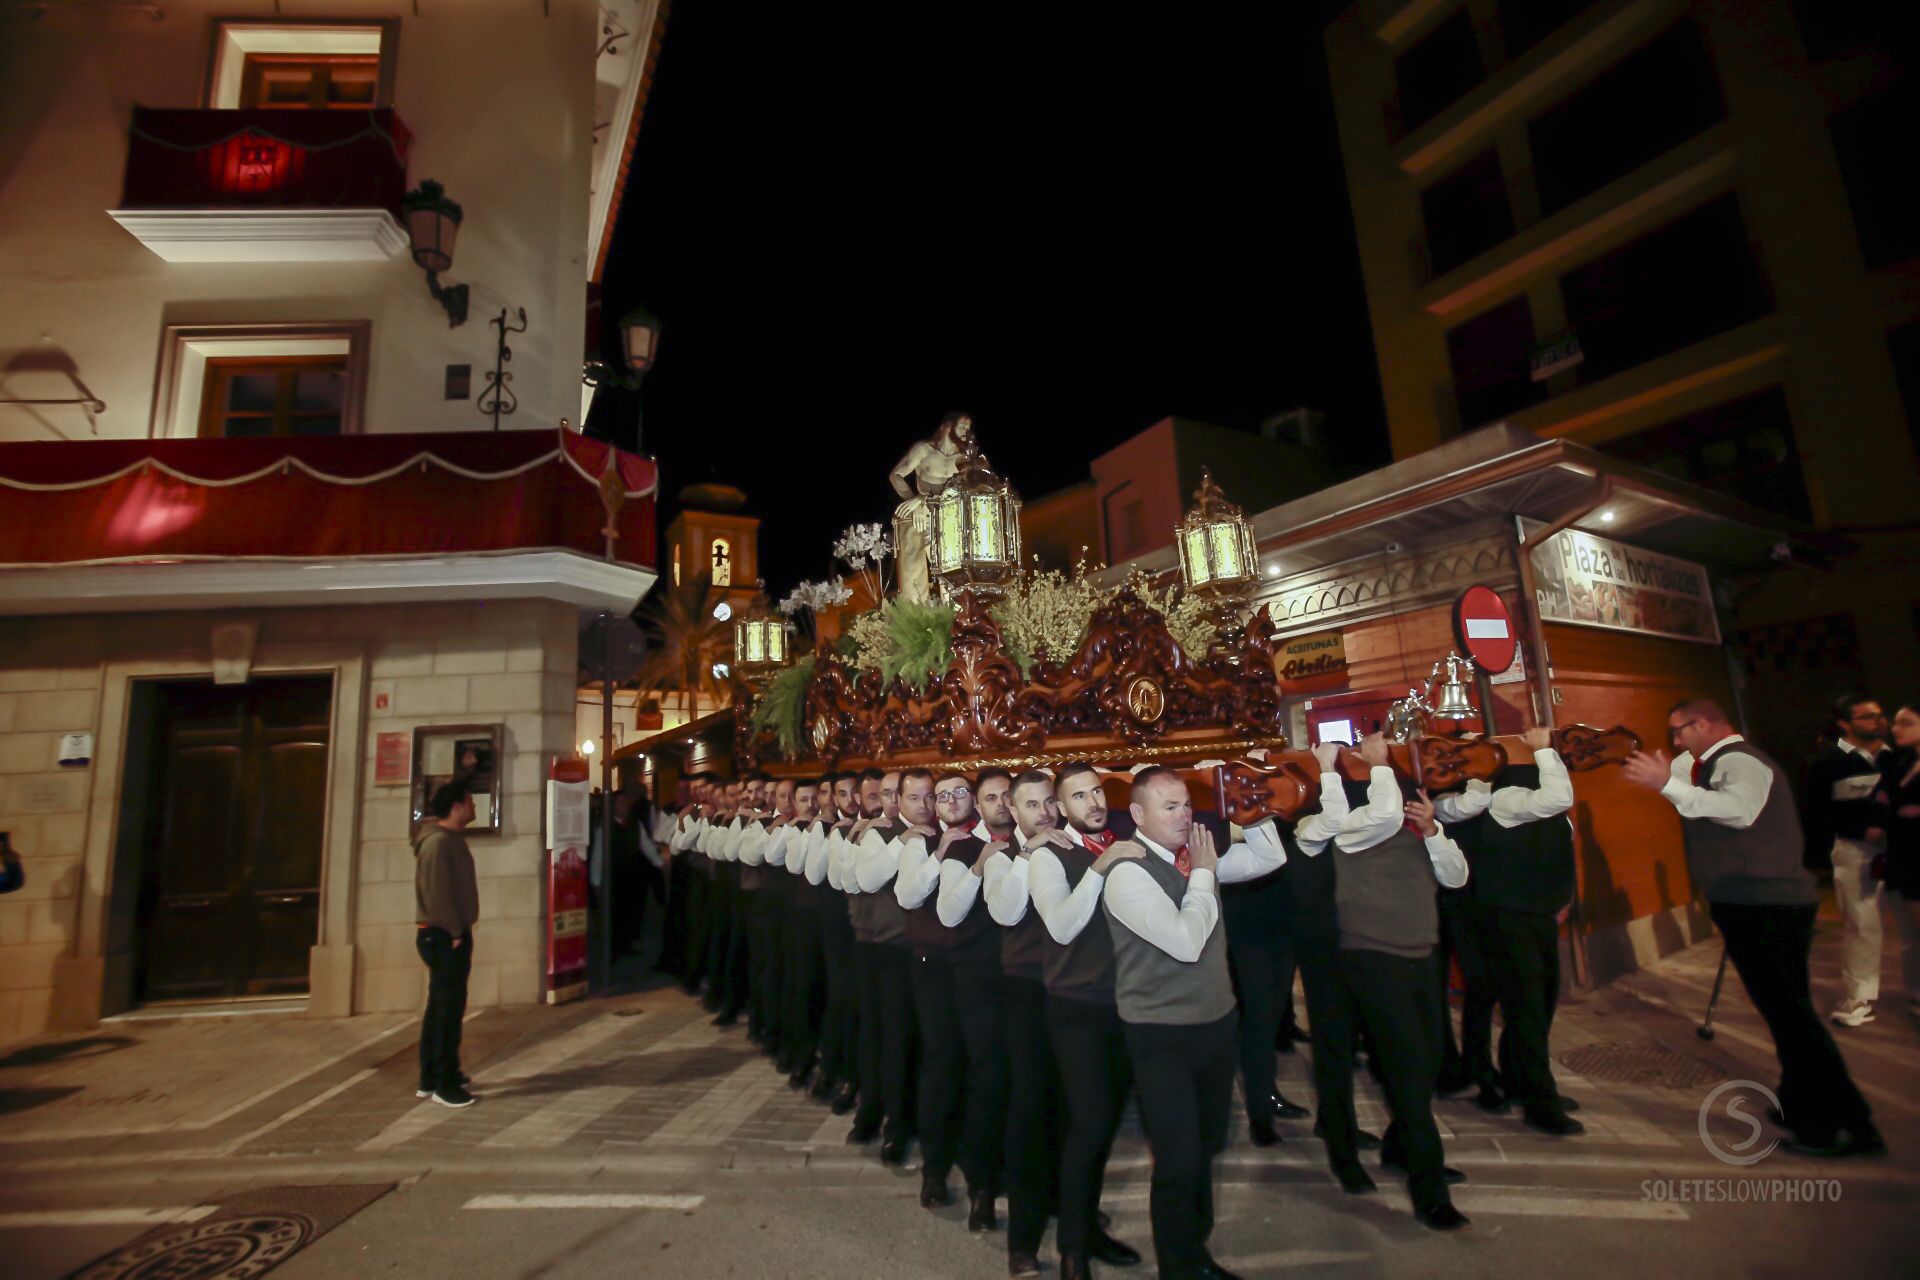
(71, 502)
(271, 158)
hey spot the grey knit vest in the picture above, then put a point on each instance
(1150, 986)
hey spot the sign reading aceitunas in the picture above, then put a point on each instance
(1597, 582)
(1308, 664)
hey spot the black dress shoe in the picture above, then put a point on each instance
(727, 1020)
(1288, 1110)
(1566, 1103)
(1366, 1141)
(1840, 1146)
(1113, 1252)
(1102, 1219)
(934, 1192)
(801, 1077)
(844, 1097)
(1492, 1101)
(1354, 1180)
(1261, 1132)
(1073, 1266)
(1211, 1270)
(1027, 1264)
(1457, 1081)
(1442, 1217)
(822, 1089)
(862, 1134)
(1395, 1161)
(1557, 1123)
(980, 1214)
(893, 1152)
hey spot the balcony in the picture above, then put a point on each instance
(127, 525)
(266, 185)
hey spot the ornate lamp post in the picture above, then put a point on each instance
(1217, 557)
(639, 338)
(975, 529)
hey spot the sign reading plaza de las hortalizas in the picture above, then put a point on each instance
(1598, 582)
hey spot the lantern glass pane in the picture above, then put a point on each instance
(1193, 549)
(755, 652)
(1224, 551)
(949, 543)
(985, 527)
(776, 643)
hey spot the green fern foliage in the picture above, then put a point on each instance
(920, 641)
(782, 707)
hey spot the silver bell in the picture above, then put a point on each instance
(1453, 702)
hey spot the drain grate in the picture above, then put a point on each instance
(1641, 1064)
(249, 1235)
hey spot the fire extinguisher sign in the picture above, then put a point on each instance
(569, 804)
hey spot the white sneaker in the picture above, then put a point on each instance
(1852, 1013)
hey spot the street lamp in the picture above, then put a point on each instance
(1217, 557)
(639, 338)
(433, 223)
(975, 528)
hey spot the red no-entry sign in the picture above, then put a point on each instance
(1484, 626)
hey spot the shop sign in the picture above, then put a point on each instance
(1308, 664)
(1597, 582)
(1555, 354)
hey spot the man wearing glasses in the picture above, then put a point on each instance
(1745, 855)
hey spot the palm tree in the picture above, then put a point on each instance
(684, 641)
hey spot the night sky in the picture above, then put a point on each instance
(854, 219)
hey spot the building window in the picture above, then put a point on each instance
(1691, 279)
(1492, 357)
(1646, 105)
(1466, 213)
(253, 380)
(1437, 72)
(1525, 23)
(250, 396)
(310, 82)
(1873, 141)
(1743, 448)
(302, 65)
(722, 558)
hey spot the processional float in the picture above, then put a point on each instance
(974, 663)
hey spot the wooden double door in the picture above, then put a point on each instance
(230, 885)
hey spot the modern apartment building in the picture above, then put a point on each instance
(1685, 233)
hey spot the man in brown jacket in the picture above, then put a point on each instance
(447, 902)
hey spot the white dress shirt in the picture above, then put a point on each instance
(875, 860)
(918, 872)
(1385, 814)
(1744, 786)
(1513, 806)
(750, 846)
(1004, 881)
(686, 833)
(1135, 898)
(1064, 910)
(840, 861)
(814, 864)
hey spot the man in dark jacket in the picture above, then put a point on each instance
(447, 902)
(1843, 832)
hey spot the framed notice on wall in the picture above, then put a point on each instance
(469, 752)
(1597, 582)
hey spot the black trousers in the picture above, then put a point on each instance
(801, 1000)
(1334, 1025)
(1768, 947)
(673, 933)
(1036, 1113)
(840, 1016)
(980, 996)
(887, 1026)
(1396, 997)
(1186, 1091)
(1461, 939)
(736, 964)
(1090, 1044)
(448, 967)
(768, 972)
(1263, 966)
(943, 1066)
(723, 921)
(1521, 951)
(698, 924)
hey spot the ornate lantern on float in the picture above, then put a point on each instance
(1217, 557)
(760, 649)
(974, 529)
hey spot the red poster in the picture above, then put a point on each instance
(567, 835)
(392, 760)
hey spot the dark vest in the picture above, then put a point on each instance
(1150, 986)
(925, 934)
(1082, 969)
(1385, 897)
(1525, 868)
(755, 878)
(804, 896)
(1758, 865)
(878, 916)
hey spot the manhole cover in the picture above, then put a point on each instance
(1641, 1064)
(249, 1235)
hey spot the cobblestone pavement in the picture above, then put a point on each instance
(631, 1122)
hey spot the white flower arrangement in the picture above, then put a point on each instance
(815, 596)
(864, 545)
